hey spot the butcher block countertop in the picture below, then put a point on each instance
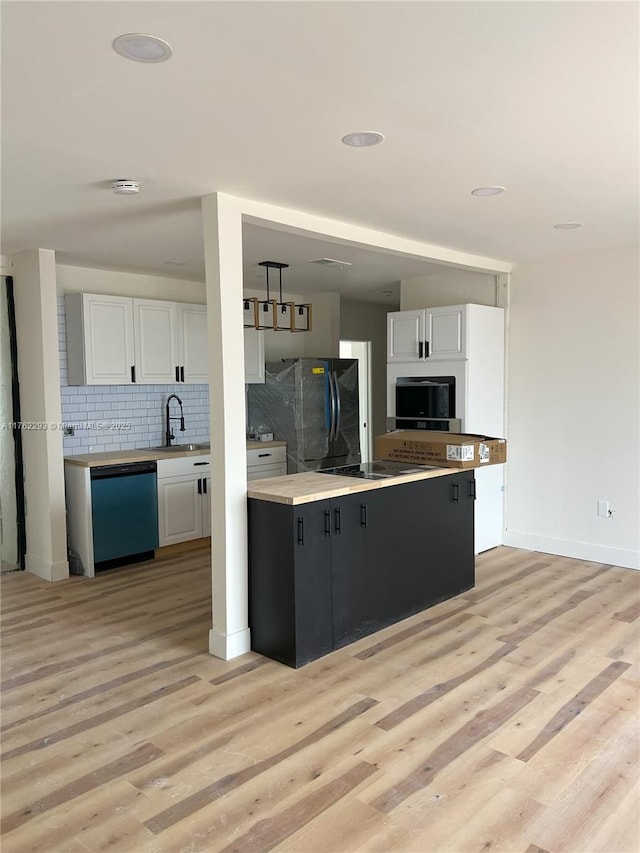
(147, 454)
(311, 486)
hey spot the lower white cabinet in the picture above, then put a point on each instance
(266, 462)
(184, 502)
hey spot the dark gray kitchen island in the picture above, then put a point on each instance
(333, 559)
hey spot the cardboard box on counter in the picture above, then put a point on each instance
(444, 449)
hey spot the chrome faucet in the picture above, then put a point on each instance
(168, 435)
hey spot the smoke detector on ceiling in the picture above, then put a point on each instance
(123, 187)
(331, 262)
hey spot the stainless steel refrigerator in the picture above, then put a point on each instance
(312, 404)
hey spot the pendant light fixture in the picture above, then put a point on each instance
(276, 314)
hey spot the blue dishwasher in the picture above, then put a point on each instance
(124, 508)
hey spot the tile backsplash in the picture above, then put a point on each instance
(124, 417)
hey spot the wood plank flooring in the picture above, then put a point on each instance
(506, 719)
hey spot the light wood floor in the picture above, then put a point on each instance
(505, 720)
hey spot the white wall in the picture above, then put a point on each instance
(114, 283)
(573, 407)
(367, 321)
(450, 287)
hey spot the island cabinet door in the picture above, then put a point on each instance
(427, 549)
(290, 581)
(434, 560)
(361, 578)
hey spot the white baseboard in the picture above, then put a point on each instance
(46, 570)
(623, 557)
(228, 646)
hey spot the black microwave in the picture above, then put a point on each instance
(426, 403)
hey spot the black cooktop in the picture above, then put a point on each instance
(379, 470)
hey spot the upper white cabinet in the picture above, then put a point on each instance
(100, 349)
(253, 356)
(155, 334)
(117, 340)
(439, 334)
(193, 343)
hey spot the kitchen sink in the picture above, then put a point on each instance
(182, 448)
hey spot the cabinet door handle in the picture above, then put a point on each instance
(261, 455)
(177, 373)
(363, 515)
(182, 373)
(426, 349)
(327, 523)
(133, 373)
(195, 464)
(204, 485)
(301, 531)
(337, 521)
(419, 349)
(199, 486)
(472, 488)
(455, 493)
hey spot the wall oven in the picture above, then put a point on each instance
(426, 403)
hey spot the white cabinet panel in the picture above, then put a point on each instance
(193, 343)
(100, 346)
(179, 509)
(253, 356)
(446, 332)
(405, 335)
(156, 340)
(184, 502)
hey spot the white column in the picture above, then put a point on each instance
(34, 277)
(222, 222)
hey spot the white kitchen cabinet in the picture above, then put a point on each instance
(253, 356)
(427, 333)
(117, 340)
(267, 461)
(100, 344)
(184, 504)
(193, 347)
(156, 341)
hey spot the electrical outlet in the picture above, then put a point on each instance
(603, 509)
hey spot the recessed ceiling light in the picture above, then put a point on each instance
(363, 138)
(568, 226)
(176, 263)
(142, 48)
(483, 191)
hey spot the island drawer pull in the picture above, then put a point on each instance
(301, 531)
(455, 493)
(327, 523)
(200, 463)
(363, 515)
(472, 488)
(337, 519)
(260, 455)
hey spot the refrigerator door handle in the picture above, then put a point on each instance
(332, 409)
(336, 389)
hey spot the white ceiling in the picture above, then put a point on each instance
(539, 97)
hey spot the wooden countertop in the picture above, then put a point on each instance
(147, 454)
(311, 486)
(256, 445)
